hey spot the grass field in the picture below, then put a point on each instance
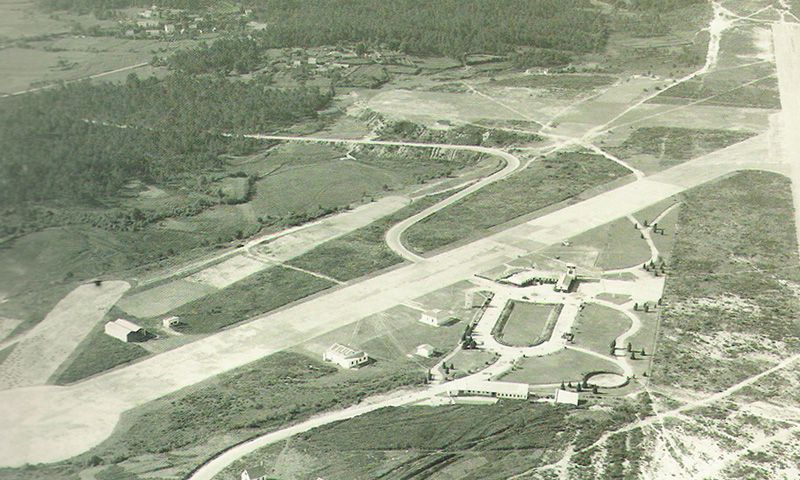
(543, 183)
(597, 326)
(257, 294)
(362, 251)
(611, 246)
(731, 304)
(97, 353)
(656, 148)
(526, 324)
(463, 441)
(566, 366)
(465, 362)
(392, 336)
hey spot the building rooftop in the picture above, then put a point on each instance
(509, 388)
(127, 324)
(343, 351)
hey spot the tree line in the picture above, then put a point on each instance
(69, 144)
(450, 28)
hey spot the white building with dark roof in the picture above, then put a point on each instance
(435, 318)
(345, 356)
(425, 350)
(486, 388)
(125, 330)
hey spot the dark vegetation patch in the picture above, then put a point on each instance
(762, 93)
(404, 130)
(450, 28)
(733, 273)
(674, 145)
(417, 442)
(545, 182)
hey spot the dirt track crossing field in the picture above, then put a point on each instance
(58, 334)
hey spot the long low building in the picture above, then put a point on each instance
(345, 356)
(486, 388)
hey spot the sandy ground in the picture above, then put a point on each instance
(7, 325)
(53, 423)
(37, 356)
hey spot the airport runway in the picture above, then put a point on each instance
(50, 423)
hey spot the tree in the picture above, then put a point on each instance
(633, 355)
(562, 387)
(594, 389)
(636, 307)
(579, 388)
(630, 346)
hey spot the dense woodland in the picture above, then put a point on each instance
(66, 144)
(451, 28)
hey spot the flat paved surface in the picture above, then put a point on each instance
(786, 38)
(37, 356)
(53, 423)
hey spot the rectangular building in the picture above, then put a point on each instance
(345, 356)
(485, 388)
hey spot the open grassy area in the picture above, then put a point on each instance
(761, 93)
(731, 303)
(611, 246)
(465, 362)
(546, 182)
(464, 441)
(97, 353)
(256, 294)
(362, 251)
(525, 324)
(566, 366)
(656, 148)
(597, 326)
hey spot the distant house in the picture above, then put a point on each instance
(125, 330)
(254, 473)
(345, 356)
(312, 60)
(169, 28)
(435, 318)
(564, 396)
(485, 388)
(425, 350)
(148, 23)
(170, 322)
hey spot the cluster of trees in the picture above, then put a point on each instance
(451, 28)
(540, 57)
(82, 143)
(93, 6)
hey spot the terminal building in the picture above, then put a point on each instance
(125, 330)
(566, 279)
(483, 388)
(345, 356)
